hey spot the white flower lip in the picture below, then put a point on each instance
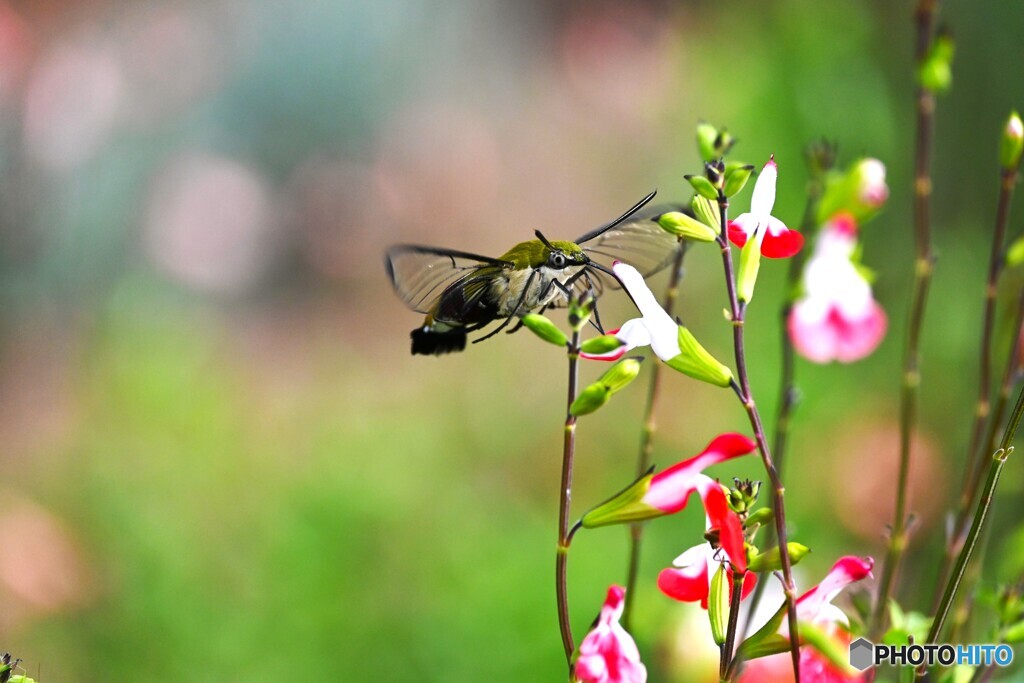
(664, 333)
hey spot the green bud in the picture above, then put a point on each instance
(694, 361)
(590, 399)
(1012, 143)
(706, 137)
(718, 604)
(601, 345)
(760, 517)
(580, 310)
(935, 73)
(706, 210)
(736, 179)
(744, 495)
(679, 224)
(544, 328)
(750, 263)
(1014, 634)
(860, 191)
(621, 374)
(702, 186)
(625, 506)
(715, 172)
(772, 560)
(1015, 253)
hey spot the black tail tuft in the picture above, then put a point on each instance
(428, 342)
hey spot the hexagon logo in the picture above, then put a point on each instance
(861, 654)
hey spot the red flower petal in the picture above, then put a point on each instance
(736, 234)
(782, 245)
(676, 584)
(730, 529)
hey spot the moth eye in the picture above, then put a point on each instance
(558, 260)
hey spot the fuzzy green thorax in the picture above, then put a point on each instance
(534, 253)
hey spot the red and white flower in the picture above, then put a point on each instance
(776, 240)
(815, 607)
(689, 579)
(837, 318)
(871, 188)
(609, 654)
(668, 491)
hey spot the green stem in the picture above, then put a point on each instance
(788, 394)
(923, 266)
(647, 439)
(562, 553)
(984, 505)
(973, 462)
(743, 391)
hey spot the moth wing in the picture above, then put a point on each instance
(420, 275)
(636, 239)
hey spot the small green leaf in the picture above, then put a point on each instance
(1014, 634)
(696, 362)
(767, 640)
(831, 648)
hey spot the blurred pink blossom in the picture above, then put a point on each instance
(609, 654)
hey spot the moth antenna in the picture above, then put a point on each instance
(543, 239)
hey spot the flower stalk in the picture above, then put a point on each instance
(973, 462)
(924, 263)
(728, 648)
(737, 310)
(565, 498)
(999, 459)
(650, 427)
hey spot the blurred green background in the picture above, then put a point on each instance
(219, 460)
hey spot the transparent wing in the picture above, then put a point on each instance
(421, 274)
(637, 240)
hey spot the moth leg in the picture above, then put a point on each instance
(506, 321)
(596, 320)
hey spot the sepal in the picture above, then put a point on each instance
(702, 186)
(625, 506)
(695, 361)
(718, 604)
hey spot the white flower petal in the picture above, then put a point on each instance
(763, 199)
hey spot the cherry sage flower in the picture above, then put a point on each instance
(608, 654)
(689, 579)
(671, 342)
(668, 491)
(815, 607)
(837, 318)
(776, 240)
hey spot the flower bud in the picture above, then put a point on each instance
(935, 73)
(772, 560)
(1012, 143)
(715, 172)
(681, 225)
(750, 263)
(706, 210)
(744, 496)
(760, 517)
(590, 399)
(621, 374)
(736, 179)
(544, 328)
(821, 157)
(598, 346)
(861, 191)
(706, 137)
(702, 186)
(694, 361)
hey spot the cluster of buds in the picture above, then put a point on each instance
(743, 496)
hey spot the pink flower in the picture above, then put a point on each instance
(608, 654)
(837, 318)
(668, 491)
(815, 607)
(690, 578)
(871, 188)
(777, 241)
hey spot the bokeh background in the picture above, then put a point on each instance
(219, 460)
